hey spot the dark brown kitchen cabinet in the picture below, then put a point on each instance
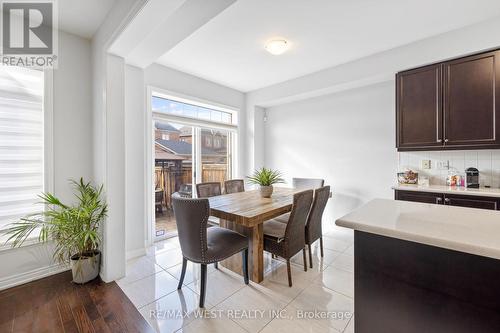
(470, 201)
(470, 97)
(424, 197)
(450, 105)
(419, 106)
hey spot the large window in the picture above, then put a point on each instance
(21, 142)
(199, 147)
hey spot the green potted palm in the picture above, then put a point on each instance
(266, 178)
(74, 229)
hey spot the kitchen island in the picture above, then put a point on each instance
(425, 268)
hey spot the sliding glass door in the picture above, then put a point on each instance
(173, 171)
(192, 144)
(215, 155)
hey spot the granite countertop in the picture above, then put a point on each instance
(469, 230)
(482, 191)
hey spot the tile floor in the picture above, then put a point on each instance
(231, 306)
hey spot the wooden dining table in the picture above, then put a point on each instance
(245, 212)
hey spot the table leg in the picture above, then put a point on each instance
(255, 251)
(257, 248)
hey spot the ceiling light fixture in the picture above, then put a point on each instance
(277, 46)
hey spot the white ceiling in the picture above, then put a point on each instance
(82, 17)
(229, 49)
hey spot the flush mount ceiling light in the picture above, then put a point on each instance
(277, 46)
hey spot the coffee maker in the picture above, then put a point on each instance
(472, 177)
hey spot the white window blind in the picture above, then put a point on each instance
(21, 142)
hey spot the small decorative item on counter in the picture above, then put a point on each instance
(423, 181)
(408, 177)
(453, 179)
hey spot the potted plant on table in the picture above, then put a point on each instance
(265, 178)
(73, 228)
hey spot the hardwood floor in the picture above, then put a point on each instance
(55, 304)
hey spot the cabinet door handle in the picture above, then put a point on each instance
(445, 140)
(446, 201)
(439, 140)
(438, 200)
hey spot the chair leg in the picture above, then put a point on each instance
(321, 246)
(183, 273)
(244, 254)
(203, 286)
(304, 258)
(310, 255)
(289, 270)
(216, 265)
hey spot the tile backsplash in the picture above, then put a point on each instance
(486, 161)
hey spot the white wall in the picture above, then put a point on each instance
(135, 166)
(113, 248)
(72, 122)
(72, 113)
(170, 79)
(136, 83)
(346, 138)
(108, 135)
(115, 21)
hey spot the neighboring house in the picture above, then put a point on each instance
(214, 140)
(179, 142)
(186, 134)
(185, 149)
(211, 139)
(165, 131)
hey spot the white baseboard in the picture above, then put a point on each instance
(17, 279)
(39, 273)
(135, 253)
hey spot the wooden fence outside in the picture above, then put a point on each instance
(213, 172)
(169, 180)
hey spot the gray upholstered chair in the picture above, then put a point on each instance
(209, 189)
(287, 239)
(234, 186)
(313, 230)
(307, 183)
(203, 245)
(303, 184)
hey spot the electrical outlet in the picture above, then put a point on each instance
(426, 164)
(443, 165)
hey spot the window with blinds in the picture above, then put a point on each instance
(21, 142)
